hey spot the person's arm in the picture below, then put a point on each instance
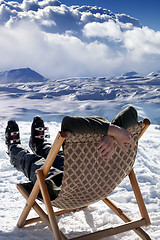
(99, 125)
(118, 134)
(85, 125)
(121, 136)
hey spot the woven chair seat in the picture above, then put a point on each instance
(87, 177)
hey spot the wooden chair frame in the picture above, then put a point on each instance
(50, 218)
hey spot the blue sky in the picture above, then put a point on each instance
(146, 11)
(84, 42)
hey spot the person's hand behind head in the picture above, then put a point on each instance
(106, 147)
(121, 136)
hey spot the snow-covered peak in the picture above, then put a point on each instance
(154, 74)
(129, 74)
(20, 75)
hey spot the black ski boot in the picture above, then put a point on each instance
(37, 133)
(12, 135)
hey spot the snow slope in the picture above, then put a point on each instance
(103, 96)
(146, 167)
(53, 99)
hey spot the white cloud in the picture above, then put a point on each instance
(46, 3)
(5, 13)
(53, 55)
(106, 29)
(144, 41)
(30, 5)
(38, 39)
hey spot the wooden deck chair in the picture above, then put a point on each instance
(87, 179)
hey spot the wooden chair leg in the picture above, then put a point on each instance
(140, 232)
(141, 206)
(46, 167)
(42, 215)
(28, 206)
(111, 231)
(48, 204)
(139, 198)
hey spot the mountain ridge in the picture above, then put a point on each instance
(21, 75)
(29, 75)
(85, 96)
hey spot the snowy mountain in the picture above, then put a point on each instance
(85, 96)
(103, 96)
(20, 75)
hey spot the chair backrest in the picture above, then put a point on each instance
(87, 177)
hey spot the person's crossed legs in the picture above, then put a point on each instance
(27, 162)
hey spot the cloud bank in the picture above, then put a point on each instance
(60, 41)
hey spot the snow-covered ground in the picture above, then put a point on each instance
(82, 96)
(103, 96)
(95, 217)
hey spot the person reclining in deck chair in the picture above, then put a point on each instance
(28, 162)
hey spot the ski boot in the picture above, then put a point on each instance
(38, 135)
(12, 135)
